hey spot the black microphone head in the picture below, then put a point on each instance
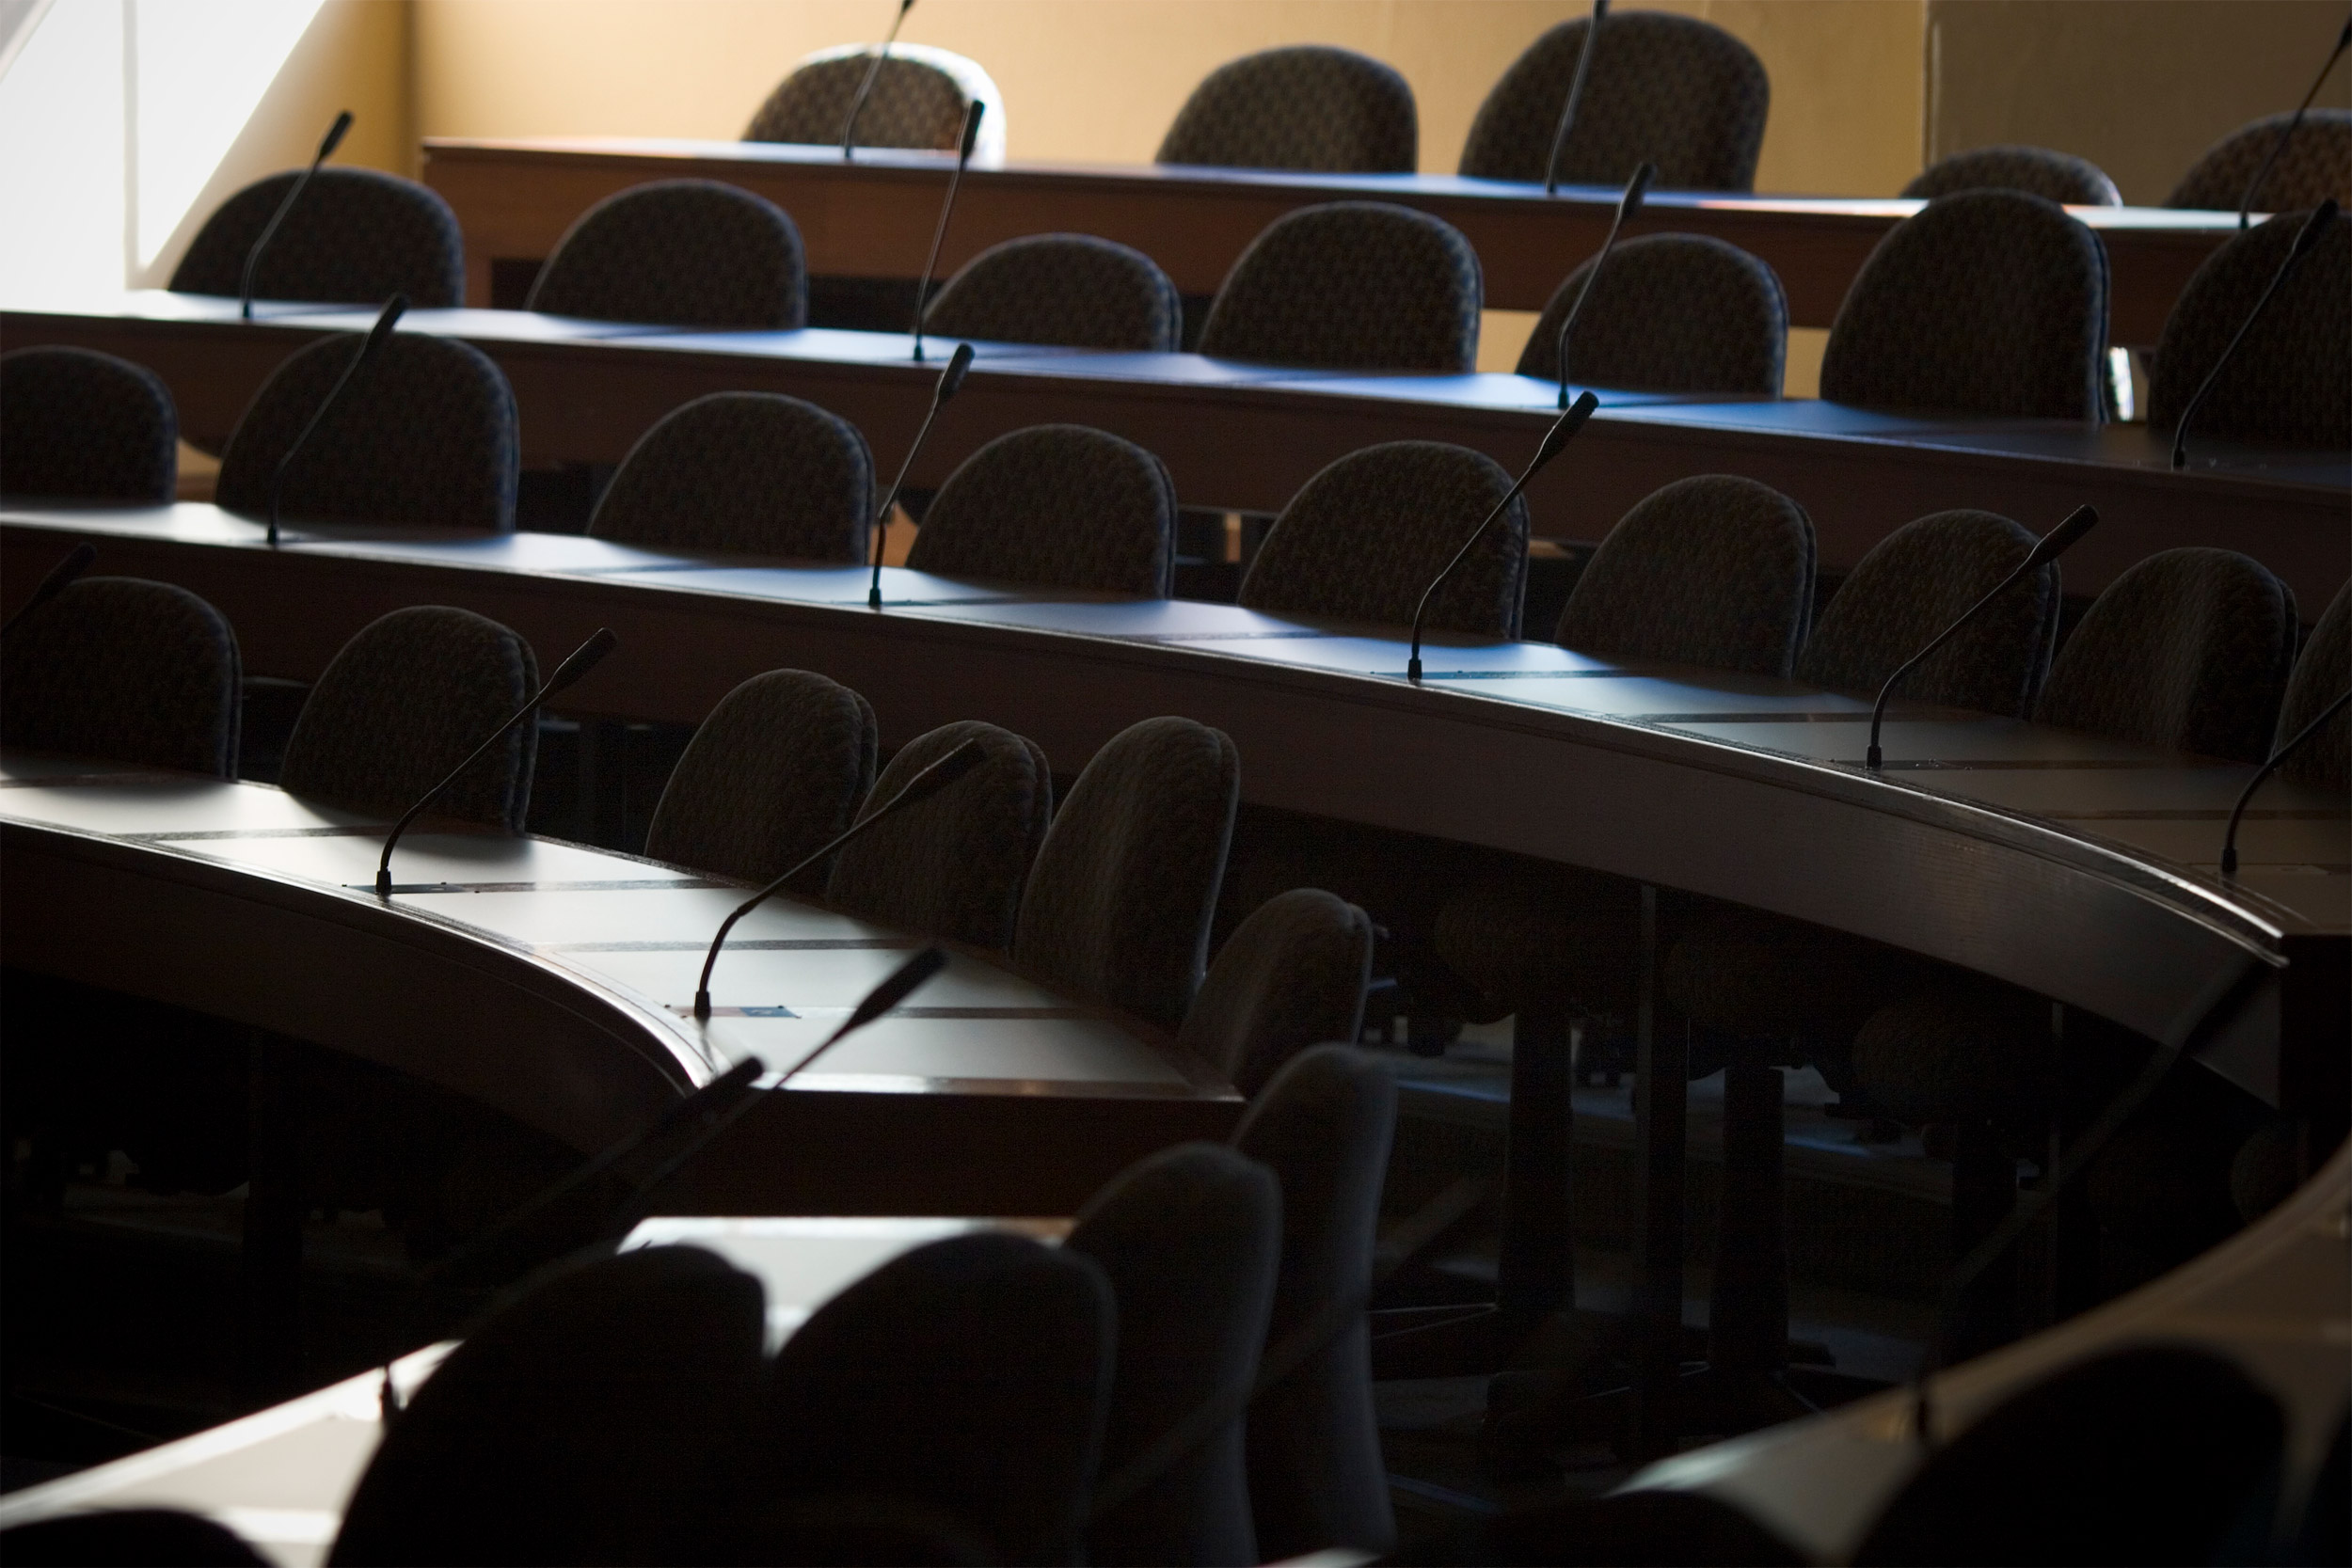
(940, 774)
(1564, 429)
(334, 137)
(1636, 190)
(2314, 228)
(897, 989)
(971, 126)
(584, 659)
(904, 7)
(951, 379)
(2061, 539)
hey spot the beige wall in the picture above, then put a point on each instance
(2139, 88)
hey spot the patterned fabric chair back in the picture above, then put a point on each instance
(427, 437)
(1190, 1239)
(86, 426)
(2291, 379)
(1987, 302)
(918, 100)
(2188, 650)
(127, 671)
(953, 865)
(1912, 584)
(1070, 290)
(752, 473)
(1352, 285)
(613, 1398)
(2316, 164)
(1671, 312)
(1291, 976)
(772, 773)
(1324, 1126)
(1674, 90)
(403, 703)
(2058, 177)
(680, 253)
(969, 1378)
(1712, 570)
(1058, 505)
(2322, 672)
(1306, 107)
(1120, 897)
(1362, 540)
(356, 237)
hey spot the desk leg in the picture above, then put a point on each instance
(269, 1360)
(1536, 1272)
(1662, 1098)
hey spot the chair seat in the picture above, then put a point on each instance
(1953, 1053)
(1749, 972)
(1572, 939)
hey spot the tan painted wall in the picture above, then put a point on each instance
(2139, 88)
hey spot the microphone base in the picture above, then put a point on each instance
(383, 884)
(873, 599)
(1874, 759)
(702, 1007)
(1412, 671)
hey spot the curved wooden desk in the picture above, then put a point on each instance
(552, 982)
(1245, 436)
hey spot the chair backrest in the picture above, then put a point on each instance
(86, 426)
(1352, 285)
(2316, 164)
(681, 253)
(1671, 312)
(772, 773)
(1985, 302)
(592, 1420)
(356, 237)
(970, 1377)
(1058, 505)
(403, 703)
(1363, 539)
(1673, 91)
(1712, 570)
(1292, 975)
(754, 473)
(1316, 1480)
(1119, 899)
(1190, 1239)
(2322, 672)
(426, 438)
(2053, 176)
(124, 670)
(2291, 379)
(2187, 650)
(1304, 106)
(1916, 582)
(953, 865)
(918, 100)
(1070, 290)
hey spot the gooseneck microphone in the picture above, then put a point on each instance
(1628, 205)
(930, 781)
(60, 578)
(1557, 437)
(2047, 548)
(2254, 186)
(269, 230)
(584, 659)
(378, 335)
(923, 290)
(1576, 96)
(950, 380)
(2306, 240)
(865, 88)
(2261, 774)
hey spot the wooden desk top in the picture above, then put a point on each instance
(2077, 867)
(1245, 436)
(873, 217)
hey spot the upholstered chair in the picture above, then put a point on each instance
(2316, 164)
(749, 474)
(919, 99)
(1303, 107)
(1071, 290)
(1351, 285)
(358, 236)
(1670, 313)
(1672, 90)
(2058, 177)
(86, 426)
(127, 671)
(1057, 505)
(2291, 379)
(1291, 976)
(678, 253)
(775, 770)
(2323, 671)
